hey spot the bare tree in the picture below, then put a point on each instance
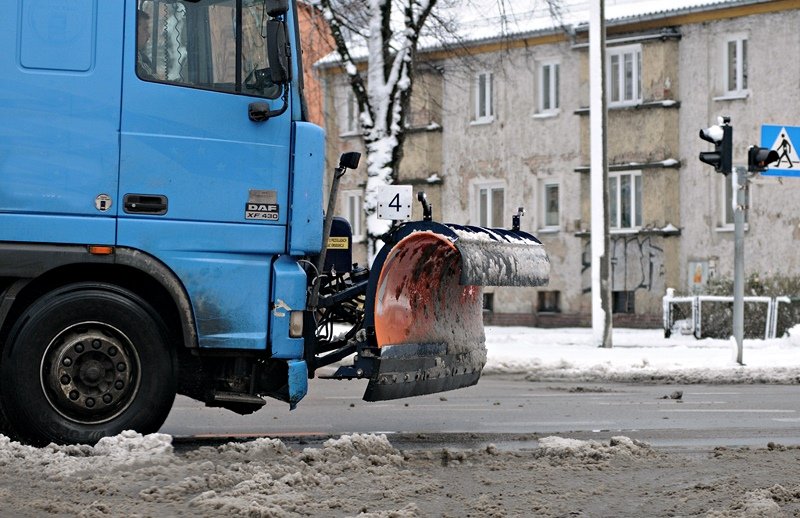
(385, 34)
(391, 31)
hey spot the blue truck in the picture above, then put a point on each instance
(162, 229)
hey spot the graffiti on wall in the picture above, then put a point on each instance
(637, 263)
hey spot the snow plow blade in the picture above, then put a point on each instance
(427, 304)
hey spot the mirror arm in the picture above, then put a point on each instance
(260, 112)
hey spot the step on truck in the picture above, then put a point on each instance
(162, 229)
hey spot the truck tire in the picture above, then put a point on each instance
(87, 361)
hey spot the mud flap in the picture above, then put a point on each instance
(427, 304)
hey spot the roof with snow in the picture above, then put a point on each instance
(489, 19)
(486, 21)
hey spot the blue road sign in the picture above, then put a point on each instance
(782, 140)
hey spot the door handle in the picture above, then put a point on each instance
(153, 204)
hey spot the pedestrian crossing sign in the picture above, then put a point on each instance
(781, 139)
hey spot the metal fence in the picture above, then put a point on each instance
(695, 320)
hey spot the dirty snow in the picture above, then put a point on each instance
(365, 476)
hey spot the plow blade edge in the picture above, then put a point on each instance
(427, 308)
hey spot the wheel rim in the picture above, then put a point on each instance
(90, 372)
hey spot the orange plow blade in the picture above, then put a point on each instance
(428, 304)
(429, 328)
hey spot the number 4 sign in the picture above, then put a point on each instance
(394, 202)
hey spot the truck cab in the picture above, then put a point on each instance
(158, 187)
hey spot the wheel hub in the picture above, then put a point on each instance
(90, 372)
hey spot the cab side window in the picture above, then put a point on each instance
(205, 44)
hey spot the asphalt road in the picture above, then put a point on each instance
(510, 410)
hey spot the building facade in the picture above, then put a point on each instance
(508, 127)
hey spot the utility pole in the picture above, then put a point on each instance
(601, 282)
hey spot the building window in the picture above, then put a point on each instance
(726, 201)
(489, 205)
(484, 93)
(622, 302)
(549, 302)
(351, 122)
(550, 203)
(735, 65)
(488, 302)
(354, 213)
(548, 87)
(624, 75)
(625, 200)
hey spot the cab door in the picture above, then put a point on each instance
(192, 162)
(60, 73)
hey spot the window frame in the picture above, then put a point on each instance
(543, 198)
(553, 87)
(487, 303)
(351, 115)
(741, 50)
(490, 186)
(545, 296)
(636, 209)
(356, 223)
(623, 302)
(636, 73)
(488, 98)
(154, 21)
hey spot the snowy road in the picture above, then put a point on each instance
(546, 435)
(705, 415)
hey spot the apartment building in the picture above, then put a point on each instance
(508, 126)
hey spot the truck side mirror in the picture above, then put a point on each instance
(279, 52)
(276, 7)
(349, 160)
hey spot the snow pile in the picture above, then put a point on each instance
(131, 447)
(760, 502)
(352, 450)
(132, 474)
(110, 454)
(265, 478)
(561, 448)
(639, 355)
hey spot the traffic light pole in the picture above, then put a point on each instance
(758, 159)
(739, 181)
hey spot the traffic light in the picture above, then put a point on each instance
(722, 138)
(758, 158)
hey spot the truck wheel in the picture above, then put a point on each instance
(84, 362)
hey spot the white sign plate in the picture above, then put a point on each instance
(394, 202)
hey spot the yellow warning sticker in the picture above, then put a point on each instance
(338, 243)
